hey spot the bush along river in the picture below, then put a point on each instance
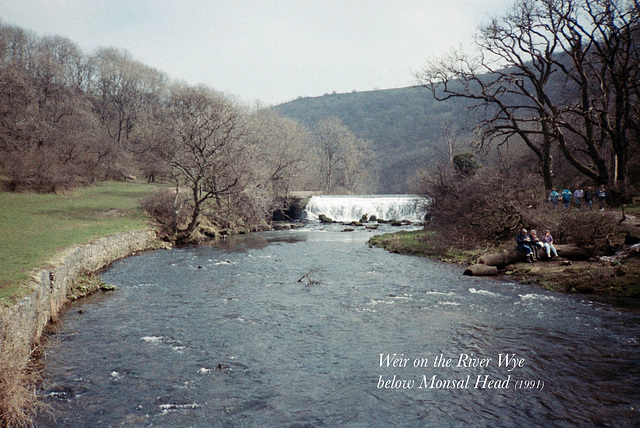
(311, 327)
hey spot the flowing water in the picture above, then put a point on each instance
(345, 208)
(311, 327)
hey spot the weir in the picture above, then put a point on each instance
(346, 208)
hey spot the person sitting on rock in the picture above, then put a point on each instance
(535, 243)
(547, 241)
(523, 245)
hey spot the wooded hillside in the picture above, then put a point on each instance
(404, 126)
(558, 79)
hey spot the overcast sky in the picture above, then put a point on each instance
(268, 50)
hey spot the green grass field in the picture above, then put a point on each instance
(35, 227)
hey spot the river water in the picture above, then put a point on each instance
(300, 328)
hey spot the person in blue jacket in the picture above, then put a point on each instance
(566, 197)
(554, 197)
(523, 243)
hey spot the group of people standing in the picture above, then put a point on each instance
(579, 196)
(530, 244)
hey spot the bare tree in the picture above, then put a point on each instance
(281, 147)
(534, 76)
(330, 135)
(46, 122)
(508, 79)
(358, 165)
(345, 160)
(199, 135)
(124, 91)
(601, 38)
(280, 152)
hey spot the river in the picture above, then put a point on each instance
(311, 327)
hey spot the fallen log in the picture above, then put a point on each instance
(507, 257)
(503, 258)
(480, 270)
(573, 252)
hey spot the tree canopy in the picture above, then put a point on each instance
(555, 73)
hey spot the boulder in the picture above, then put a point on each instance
(324, 219)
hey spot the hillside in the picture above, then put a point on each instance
(403, 125)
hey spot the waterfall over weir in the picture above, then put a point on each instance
(346, 208)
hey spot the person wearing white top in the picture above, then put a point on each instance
(578, 194)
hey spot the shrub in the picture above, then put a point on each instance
(165, 207)
(592, 229)
(491, 206)
(466, 164)
(475, 210)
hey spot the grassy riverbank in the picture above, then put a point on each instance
(612, 278)
(34, 228)
(420, 243)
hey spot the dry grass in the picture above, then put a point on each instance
(19, 378)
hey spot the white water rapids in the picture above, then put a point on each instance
(345, 208)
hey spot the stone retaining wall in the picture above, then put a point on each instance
(22, 324)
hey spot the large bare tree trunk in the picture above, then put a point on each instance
(507, 257)
(481, 270)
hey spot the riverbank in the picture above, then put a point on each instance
(34, 228)
(603, 275)
(22, 324)
(48, 242)
(52, 246)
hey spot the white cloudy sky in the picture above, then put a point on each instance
(268, 50)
